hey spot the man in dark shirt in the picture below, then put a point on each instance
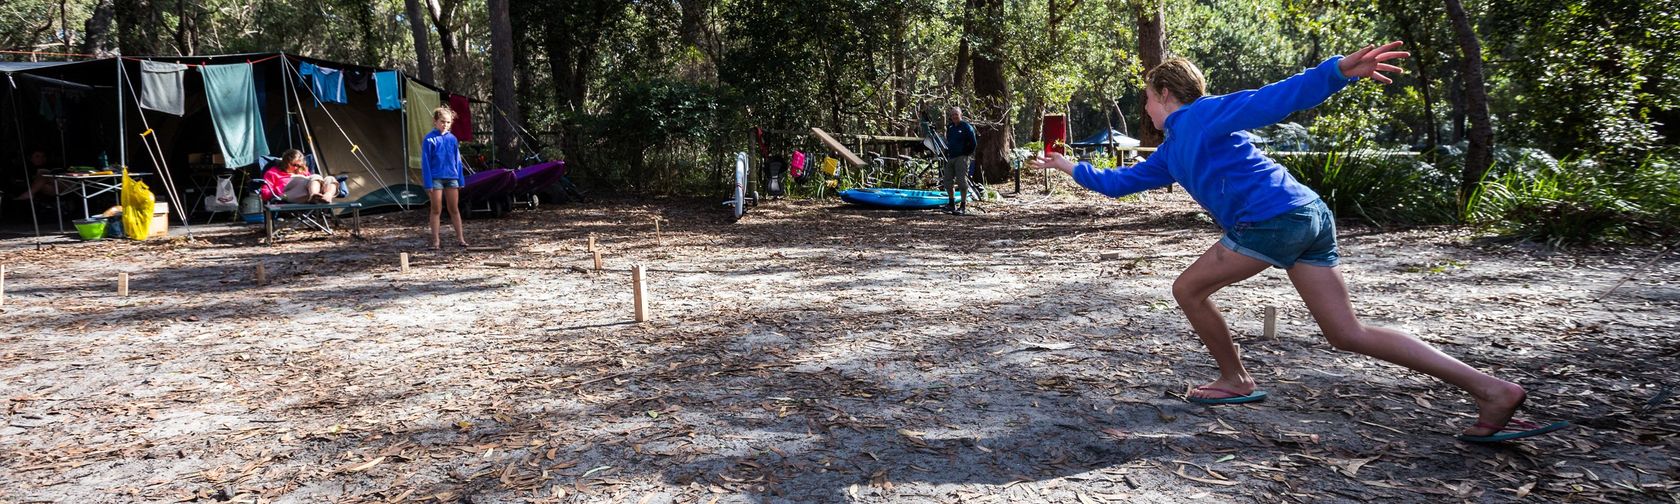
(960, 141)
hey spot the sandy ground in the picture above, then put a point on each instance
(813, 352)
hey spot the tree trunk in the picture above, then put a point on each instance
(506, 103)
(1455, 90)
(1152, 49)
(991, 90)
(135, 35)
(443, 20)
(96, 31)
(68, 39)
(1411, 29)
(362, 12)
(1479, 157)
(422, 43)
(959, 77)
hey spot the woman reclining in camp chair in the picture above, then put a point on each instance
(290, 179)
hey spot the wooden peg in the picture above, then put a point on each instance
(403, 259)
(658, 238)
(1271, 322)
(641, 293)
(122, 284)
(262, 274)
(592, 243)
(597, 261)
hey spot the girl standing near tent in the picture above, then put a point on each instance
(291, 180)
(1271, 220)
(441, 171)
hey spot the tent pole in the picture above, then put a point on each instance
(122, 124)
(18, 128)
(402, 90)
(286, 99)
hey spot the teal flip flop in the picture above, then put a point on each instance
(1527, 429)
(1235, 398)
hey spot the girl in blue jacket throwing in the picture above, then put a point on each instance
(1270, 219)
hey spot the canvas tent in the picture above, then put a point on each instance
(67, 110)
(354, 138)
(74, 108)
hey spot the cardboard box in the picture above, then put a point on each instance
(160, 220)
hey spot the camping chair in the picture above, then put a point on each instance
(319, 216)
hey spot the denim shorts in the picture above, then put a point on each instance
(1305, 235)
(446, 183)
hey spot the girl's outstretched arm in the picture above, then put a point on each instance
(1255, 108)
(1149, 174)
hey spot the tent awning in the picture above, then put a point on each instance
(7, 67)
(1103, 138)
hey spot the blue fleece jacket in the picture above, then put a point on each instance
(440, 157)
(1208, 152)
(959, 139)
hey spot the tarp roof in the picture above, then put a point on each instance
(22, 66)
(1101, 138)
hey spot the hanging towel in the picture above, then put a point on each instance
(328, 83)
(390, 94)
(421, 101)
(462, 127)
(234, 110)
(52, 104)
(160, 87)
(357, 80)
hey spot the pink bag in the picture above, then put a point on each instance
(798, 163)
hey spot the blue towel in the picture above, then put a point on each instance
(234, 110)
(387, 84)
(328, 83)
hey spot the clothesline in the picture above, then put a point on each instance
(39, 53)
(202, 65)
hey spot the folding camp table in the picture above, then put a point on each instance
(88, 186)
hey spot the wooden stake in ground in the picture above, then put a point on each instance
(403, 259)
(597, 261)
(658, 239)
(262, 274)
(641, 293)
(1271, 322)
(591, 243)
(122, 284)
(2, 285)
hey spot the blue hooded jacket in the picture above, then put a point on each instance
(1207, 150)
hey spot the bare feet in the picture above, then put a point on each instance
(436, 245)
(464, 244)
(1496, 407)
(1225, 388)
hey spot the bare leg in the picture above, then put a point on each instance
(1217, 268)
(454, 197)
(436, 210)
(329, 189)
(1327, 298)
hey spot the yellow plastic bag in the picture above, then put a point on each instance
(137, 203)
(830, 165)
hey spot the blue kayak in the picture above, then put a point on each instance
(897, 198)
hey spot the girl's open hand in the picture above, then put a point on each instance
(1056, 160)
(1368, 62)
